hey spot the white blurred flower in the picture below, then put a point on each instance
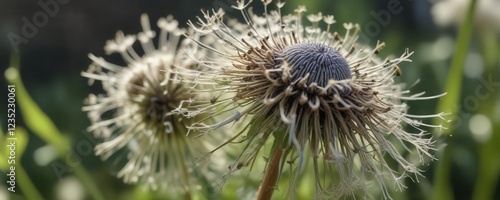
(70, 188)
(452, 13)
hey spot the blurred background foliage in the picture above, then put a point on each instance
(57, 162)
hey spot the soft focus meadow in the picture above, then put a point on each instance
(456, 46)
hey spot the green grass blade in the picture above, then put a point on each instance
(450, 102)
(442, 189)
(489, 168)
(28, 188)
(21, 141)
(36, 120)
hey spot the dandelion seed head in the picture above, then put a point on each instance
(315, 94)
(140, 119)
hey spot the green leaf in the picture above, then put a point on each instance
(3, 153)
(19, 141)
(35, 119)
(25, 182)
(450, 102)
(488, 168)
(38, 122)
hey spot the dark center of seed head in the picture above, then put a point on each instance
(322, 62)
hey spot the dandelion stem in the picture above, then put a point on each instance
(187, 196)
(268, 183)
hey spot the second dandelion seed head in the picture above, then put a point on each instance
(155, 96)
(139, 118)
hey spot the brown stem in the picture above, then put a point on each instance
(268, 183)
(187, 195)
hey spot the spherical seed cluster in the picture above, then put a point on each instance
(315, 94)
(321, 62)
(139, 112)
